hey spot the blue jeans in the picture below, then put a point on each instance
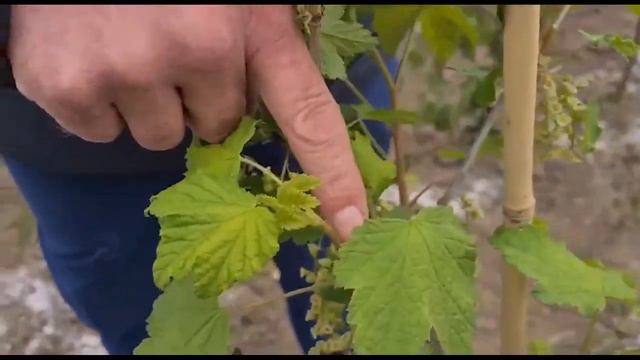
(100, 247)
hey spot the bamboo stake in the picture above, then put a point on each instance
(521, 42)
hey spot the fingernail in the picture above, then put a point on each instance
(346, 220)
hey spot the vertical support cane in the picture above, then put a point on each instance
(521, 42)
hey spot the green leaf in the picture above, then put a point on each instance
(348, 38)
(398, 212)
(213, 229)
(592, 129)
(485, 93)
(635, 9)
(340, 41)
(391, 23)
(183, 324)
(492, 145)
(410, 276)
(540, 347)
(530, 249)
(333, 13)
(392, 117)
(623, 45)
(293, 207)
(377, 173)
(445, 153)
(221, 159)
(444, 27)
(331, 64)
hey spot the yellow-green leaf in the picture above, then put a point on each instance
(293, 206)
(212, 229)
(221, 159)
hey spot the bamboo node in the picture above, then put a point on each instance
(516, 217)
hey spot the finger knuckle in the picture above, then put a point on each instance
(159, 140)
(71, 90)
(97, 134)
(203, 53)
(307, 128)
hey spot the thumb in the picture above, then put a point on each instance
(295, 93)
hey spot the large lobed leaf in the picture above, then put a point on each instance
(183, 324)
(213, 229)
(408, 277)
(210, 227)
(562, 278)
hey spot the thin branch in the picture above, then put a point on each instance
(263, 170)
(585, 347)
(285, 165)
(622, 86)
(363, 126)
(397, 145)
(472, 154)
(415, 199)
(317, 11)
(354, 89)
(246, 309)
(405, 52)
(553, 29)
(388, 78)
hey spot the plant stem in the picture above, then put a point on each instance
(405, 52)
(622, 86)
(395, 129)
(363, 126)
(317, 11)
(553, 29)
(285, 165)
(263, 170)
(415, 199)
(585, 348)
(354, 89)
(520, 61)
(246, 309)
(472, 154)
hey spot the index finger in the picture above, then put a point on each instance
(293, 89)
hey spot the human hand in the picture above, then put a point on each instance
(157, 69)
